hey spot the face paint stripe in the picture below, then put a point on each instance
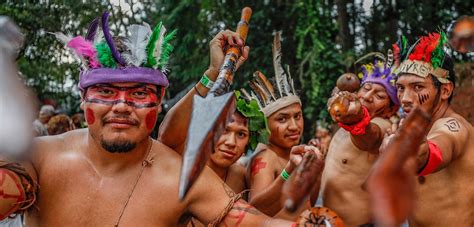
(115, 102)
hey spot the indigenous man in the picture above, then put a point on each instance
(355, 147)
(237, 135)
(271, 166)
(445, 190)
(243, 130)
(114, 168)
(322, 138)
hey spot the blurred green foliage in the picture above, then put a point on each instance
(319, 42)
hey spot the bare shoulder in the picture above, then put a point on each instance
(237, 170)
(263, 152)
(383, 123)
(453, 125)
(454, 128)
(46, 147)
(263, 156)
(166, 158)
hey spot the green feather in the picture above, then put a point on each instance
(404, 47)
(437, 55)
(105, 55)
(150, 47)
(166, 49)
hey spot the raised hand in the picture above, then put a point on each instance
(345, 108)
(218, 46)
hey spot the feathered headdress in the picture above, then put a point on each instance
(400, 50)
(258, 126)
(268, 98)
(140, 56)
(426, 56)
(382, 71)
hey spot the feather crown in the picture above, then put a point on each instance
(269, 98)
(140, 56)
(382, 70)
(426, 57)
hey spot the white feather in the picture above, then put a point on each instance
(258, 100)
(136, 44)
(245, 94)
(290, 84)
(159, 45)
(280, 75)
(389, 58)
(99, 36)
(64, 39)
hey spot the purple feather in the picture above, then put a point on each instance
(92, 29)
(108, 38)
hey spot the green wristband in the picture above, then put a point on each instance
(285, 175)
(206, 81)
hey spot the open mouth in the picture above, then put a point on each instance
(406, 110)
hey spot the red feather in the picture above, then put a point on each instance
(396, 54)
(425, 47)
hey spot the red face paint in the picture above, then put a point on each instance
(90, 118)
(240, 215)
(140, 96)
(257, 165)
(150, 119)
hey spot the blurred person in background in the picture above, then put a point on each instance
(60, 124)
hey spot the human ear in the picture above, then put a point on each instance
(446, 90)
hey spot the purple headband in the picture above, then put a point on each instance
(122, 75)
(379, 74)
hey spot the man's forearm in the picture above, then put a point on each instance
(13, 193)
(177, 119)
(369, 141)
(269, 200)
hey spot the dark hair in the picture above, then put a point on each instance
(448, 64)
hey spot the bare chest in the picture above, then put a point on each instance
(344, 158)
(78, 195)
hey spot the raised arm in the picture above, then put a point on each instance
(266, 190)
(177, 119)
(443, 145)
(346, 110)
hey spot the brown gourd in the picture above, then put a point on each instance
(348, 82)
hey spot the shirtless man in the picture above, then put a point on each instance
(445, 190)
(322, 138)
(272, 163)
(354, 148)
(236, 138)
(114, 168)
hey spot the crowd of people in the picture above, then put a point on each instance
(50, 122)
(112, 172)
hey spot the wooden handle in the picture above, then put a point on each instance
(243, 26)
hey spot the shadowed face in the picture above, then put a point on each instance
(286, 126)
(120, 115)
(232, 144)
(375, 98)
